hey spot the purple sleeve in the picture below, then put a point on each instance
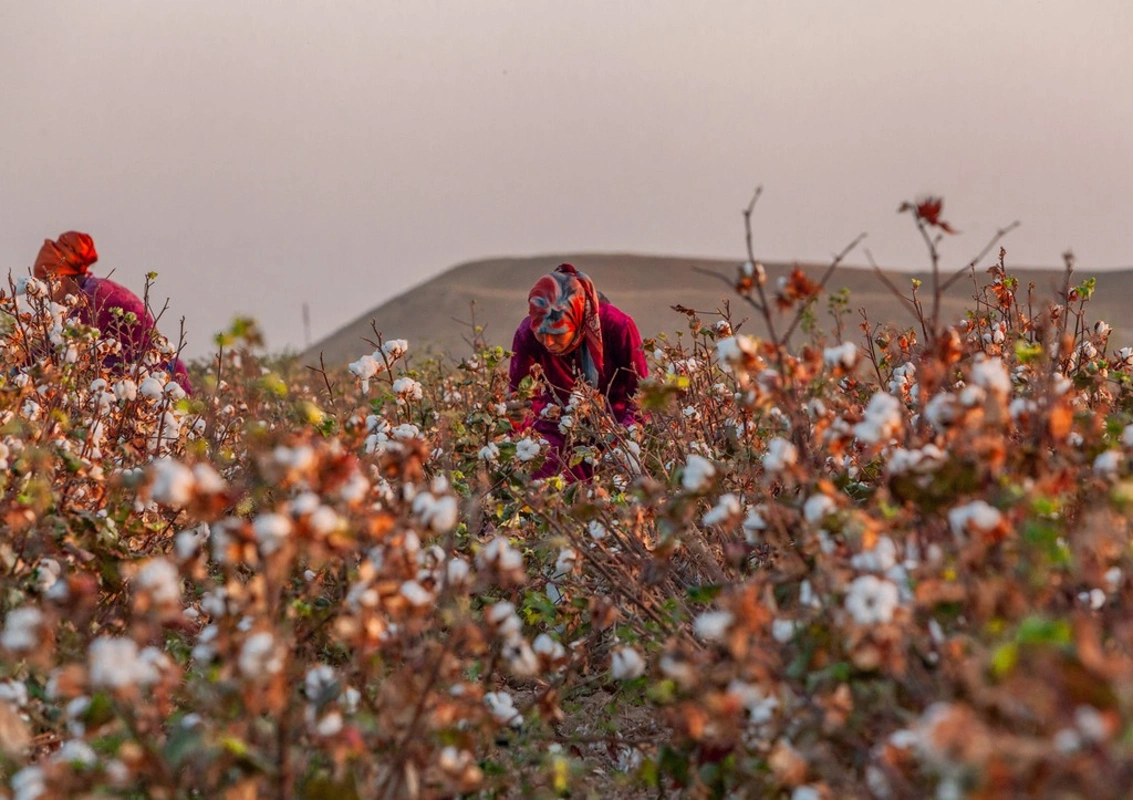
(522, 355)
(629, 364)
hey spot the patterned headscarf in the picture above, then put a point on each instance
(70, 254)
(565, 301)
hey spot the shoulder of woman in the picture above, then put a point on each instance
(613, 318)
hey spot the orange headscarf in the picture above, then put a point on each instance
(565, 301)
(71, 254)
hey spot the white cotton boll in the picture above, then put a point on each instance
(407, 389)
(457, 571)
(597, 530)
(503, 618)
(161, 581)
(817, 507)
(30, 783)
(416, 594)
(207, 479)
(270, 531)
(1107, 464)
(115, 663)
(544, 645)
(325, 521)
(872, 600)
(440, 514)
(48, 573)
(922, 461)
(215, 602)
(882, 419)
(331, 724)
(783, 630)
(881, 558)
(298, 458)
(259, 656)
(726, 508)
(168, 430)
(698, 474)
(977, 515)
(711, 626)
(940, 412)
(21, 629)
(489, 453)
(845, 355)
(174, 391)
(187, 543)
(754, 524)
(395, 348)
(1091, 724)
(526, 449)
(204, 651)
(1095, 598)
(76, 752)
(991, 374)
(1113, 577)
(971, 396)
(151, 389)
(564, 564)
(502, 708)
(807, 596)
(736, 350)
(502, 554)
(365, 368)
(405, 432)
(31, 410)
(680, 671)
(14, 693)
(1067, 741)
(454, 761)
(780, 455)
(805, 793)
(626, 664)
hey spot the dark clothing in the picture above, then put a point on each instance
(102, 296)
(623, 364)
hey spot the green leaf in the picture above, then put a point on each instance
(703, 594)
(1027, 352)
(1040, 630)
(1004, 658)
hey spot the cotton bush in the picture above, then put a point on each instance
(880, 561)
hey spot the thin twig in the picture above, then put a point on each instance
(912, 309)
(999, 234)
(713, 274)
(822, 284)
(322, 370)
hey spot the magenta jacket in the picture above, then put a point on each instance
(103, 295)
(623, 365)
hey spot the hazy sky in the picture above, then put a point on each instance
(260, 154)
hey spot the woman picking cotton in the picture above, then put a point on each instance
(112, 308)
(574, 335)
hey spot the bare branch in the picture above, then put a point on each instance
(822, 284)
(909, 306)
(999, 234)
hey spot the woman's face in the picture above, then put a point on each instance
(556, 343)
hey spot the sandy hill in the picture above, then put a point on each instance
(435, 316)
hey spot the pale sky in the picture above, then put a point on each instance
(260, 154)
